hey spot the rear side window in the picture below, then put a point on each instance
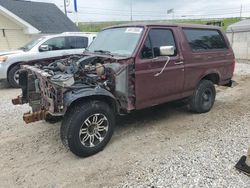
(155, 39)
(57, 43)
(77, 42)
(204, 39)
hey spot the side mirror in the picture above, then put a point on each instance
(167, 50)
(43, 48)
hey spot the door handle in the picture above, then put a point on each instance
(179, 63)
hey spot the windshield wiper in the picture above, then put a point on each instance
(104, 52)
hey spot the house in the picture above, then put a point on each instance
(22, 21)
(239, 37)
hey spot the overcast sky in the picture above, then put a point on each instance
(109, 10)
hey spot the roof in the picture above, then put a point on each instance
(66, 34)
(45, 17)
(241, 26)
(165, 24)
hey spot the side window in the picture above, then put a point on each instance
(57, 43)
(77, 42)
(204, 39)
(157, 38)
(82, 42)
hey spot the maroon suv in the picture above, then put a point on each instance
(126, 68)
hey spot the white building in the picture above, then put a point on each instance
(239, 37)
(21, 21)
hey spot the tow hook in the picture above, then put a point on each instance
(35, 116)
(17, 100)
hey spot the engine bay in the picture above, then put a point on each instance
(78, 71)
(48, 86)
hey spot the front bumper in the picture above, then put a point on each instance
(3, 70)
(43, 96)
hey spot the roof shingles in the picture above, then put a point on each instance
(45, 17)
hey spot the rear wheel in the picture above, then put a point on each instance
(203, 98)
(87, 127)
(13, 76)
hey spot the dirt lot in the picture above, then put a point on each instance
(160, 147)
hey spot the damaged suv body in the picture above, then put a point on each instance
(126, 68)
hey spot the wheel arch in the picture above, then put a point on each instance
(87, 94)
(11, 66)
(212, 76)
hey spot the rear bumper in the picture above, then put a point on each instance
(231, 83)
(228, 83)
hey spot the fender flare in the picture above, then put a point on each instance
(74, 95)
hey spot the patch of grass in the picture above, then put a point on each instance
(225, 22)
(97, 26)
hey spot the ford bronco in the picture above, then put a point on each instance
(126, 68)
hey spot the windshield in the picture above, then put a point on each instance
(31, 44)
(119, 41)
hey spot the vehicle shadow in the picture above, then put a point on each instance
(4, 85)
(147, 117)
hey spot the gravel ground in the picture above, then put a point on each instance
(160, 147)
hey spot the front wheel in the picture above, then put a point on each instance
(203, 98)
(87, 127)
(13, 76)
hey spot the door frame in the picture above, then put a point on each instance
(139, 60)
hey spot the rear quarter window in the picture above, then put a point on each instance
(204, 39)
(77, 42)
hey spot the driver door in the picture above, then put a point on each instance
(152, 89)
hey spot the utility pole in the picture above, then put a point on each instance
(131, 11)
(173, 16)
(76, 12)
(240, 11)
(65, 8)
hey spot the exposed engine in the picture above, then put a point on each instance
(44, 86)
(75, 71)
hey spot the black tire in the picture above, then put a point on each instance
(203, 98)
(11, 76)
(75, 119)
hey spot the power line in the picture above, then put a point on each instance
(160, 14)
(157, 14)
(152, 11)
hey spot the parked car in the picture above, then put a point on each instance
(127, 68)
(55, 46)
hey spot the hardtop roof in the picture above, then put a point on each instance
(160, 24)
